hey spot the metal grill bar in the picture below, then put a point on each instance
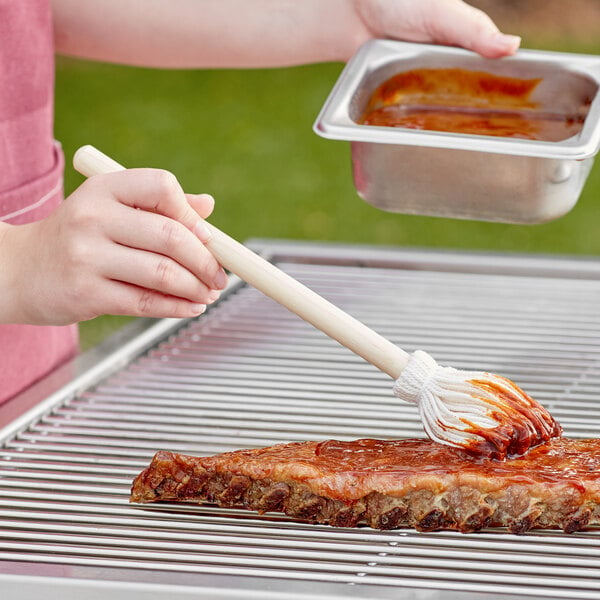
(249, 374)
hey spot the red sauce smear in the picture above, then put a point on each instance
(468, 102)
(522, 422)
(559, 460)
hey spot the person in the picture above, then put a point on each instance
(132, 243)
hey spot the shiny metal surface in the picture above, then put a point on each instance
(248, 373)
(466, 176)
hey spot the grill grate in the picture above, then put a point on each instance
(249, 374)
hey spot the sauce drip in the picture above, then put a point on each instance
(468, 102)
(522, 423)
(555, 461)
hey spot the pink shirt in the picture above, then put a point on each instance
(31, 169)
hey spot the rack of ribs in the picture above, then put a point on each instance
(388, 484)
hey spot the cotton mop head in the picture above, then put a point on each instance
(484, 414)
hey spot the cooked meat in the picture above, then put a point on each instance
(391, 484)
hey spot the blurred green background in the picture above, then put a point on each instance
(246, 137)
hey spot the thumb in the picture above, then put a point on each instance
(473, 29)
(203, 204)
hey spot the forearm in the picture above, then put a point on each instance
(208, 33)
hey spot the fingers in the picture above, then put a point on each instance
(157, 191)
(148, 244)
(169, 241)
(459, 24)
(154, 214)
(203, 204)
(155, 272)
(126, 299)
(450, 22)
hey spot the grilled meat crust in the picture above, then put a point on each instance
(390, 484)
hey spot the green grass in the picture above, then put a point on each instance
(246, 137)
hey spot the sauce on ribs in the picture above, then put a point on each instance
(389, 484)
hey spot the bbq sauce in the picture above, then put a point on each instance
(558, 460)
(522, 423)
(467, 102)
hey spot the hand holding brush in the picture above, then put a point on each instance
(480, 412)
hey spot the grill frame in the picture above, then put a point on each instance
(118, 570)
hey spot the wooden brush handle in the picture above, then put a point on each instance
(279, 286)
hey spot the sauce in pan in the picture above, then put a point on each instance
(467, 102)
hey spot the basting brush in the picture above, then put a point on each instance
(482, 413)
